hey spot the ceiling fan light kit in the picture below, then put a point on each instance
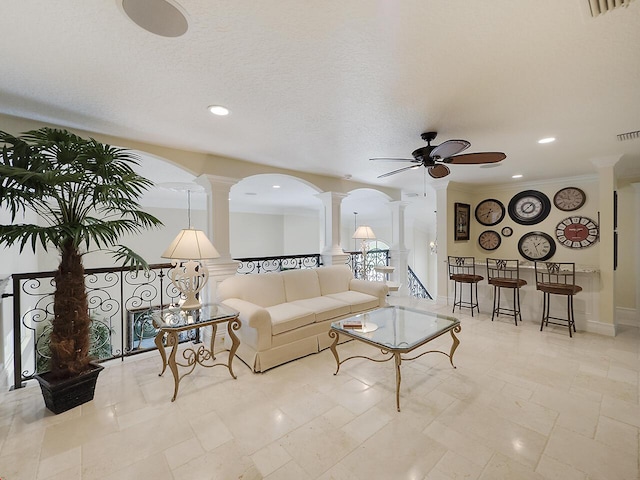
(434, 157)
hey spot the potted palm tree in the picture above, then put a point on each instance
(85, 195)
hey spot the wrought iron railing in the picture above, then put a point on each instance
(416, 288)
(118, 298)
(375, 258)
(278, 263)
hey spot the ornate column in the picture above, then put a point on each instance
(331, 251)
(443, 228)
(399, 252)
(218, 189)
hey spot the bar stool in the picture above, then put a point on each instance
(463, 270)
(554, 278)
(501, 274)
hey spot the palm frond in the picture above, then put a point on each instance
(86, 192)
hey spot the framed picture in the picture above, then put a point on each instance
(461, 221)
(615, 210)
(615, 250)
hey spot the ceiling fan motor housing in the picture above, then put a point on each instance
(423, 153)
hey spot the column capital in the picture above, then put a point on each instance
(333, 196)
(604, 162)
(210, 182)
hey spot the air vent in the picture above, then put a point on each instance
(629, 135)
(598, 7)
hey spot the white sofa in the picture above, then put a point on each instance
(287, 315)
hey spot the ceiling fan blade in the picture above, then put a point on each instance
(398, 171)
(413, 160)
(476, 158)
(439, 171)
(449, 148)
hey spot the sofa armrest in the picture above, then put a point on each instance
(256, 323)
(377, 289)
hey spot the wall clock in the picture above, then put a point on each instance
(536, 246)
(489, 240)
(507, 231)
(490, 212)
(577, 232)
(569, 199)
(529, 207)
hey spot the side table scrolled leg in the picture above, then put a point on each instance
(232, 325)
(163, 354)
(172, 339)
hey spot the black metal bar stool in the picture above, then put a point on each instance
(501, 274)
(463, 270)
(554, 278)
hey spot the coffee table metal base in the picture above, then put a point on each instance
(393, 354)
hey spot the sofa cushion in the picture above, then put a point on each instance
(286, 316)
(357, 300)
(264, 289)
(324, 307)
(301, 284)
(334, 279)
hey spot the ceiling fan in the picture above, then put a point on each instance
(435, 157)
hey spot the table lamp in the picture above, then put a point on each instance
(188, 275)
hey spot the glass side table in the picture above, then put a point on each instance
(171, 321)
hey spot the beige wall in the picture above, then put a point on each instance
(628, 238)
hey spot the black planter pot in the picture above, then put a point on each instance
(65, 394)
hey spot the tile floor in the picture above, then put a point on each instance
(521, 405)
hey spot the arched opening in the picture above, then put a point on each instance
(274, 215)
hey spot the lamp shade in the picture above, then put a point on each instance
(364, 232)
(191, 244)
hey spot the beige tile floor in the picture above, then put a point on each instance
(522, 404)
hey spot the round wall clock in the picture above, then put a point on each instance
(490, 212)
(489, 240)
(577, 232)
(529, 207)
(569, 199)
(536, 246)
(507, 231)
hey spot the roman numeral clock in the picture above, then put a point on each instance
(577, 232)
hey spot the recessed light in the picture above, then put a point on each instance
(276, 186)
(516, 176)
(218, 110)
(547, 140)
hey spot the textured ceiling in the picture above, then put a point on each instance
(324, 86)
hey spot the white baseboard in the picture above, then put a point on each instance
(442, 300)
(608, 329)
(627, 316)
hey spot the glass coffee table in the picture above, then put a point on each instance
(171, 321)
(395, 331)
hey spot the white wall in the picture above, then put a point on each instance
(264, 235)
(301, 234)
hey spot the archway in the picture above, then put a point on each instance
(274, 215)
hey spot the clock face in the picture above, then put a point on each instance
(569, 199)
(529, 207)
(577, 232)
(490, 212)
(536, 246)
(507, 231)
(489, 240)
